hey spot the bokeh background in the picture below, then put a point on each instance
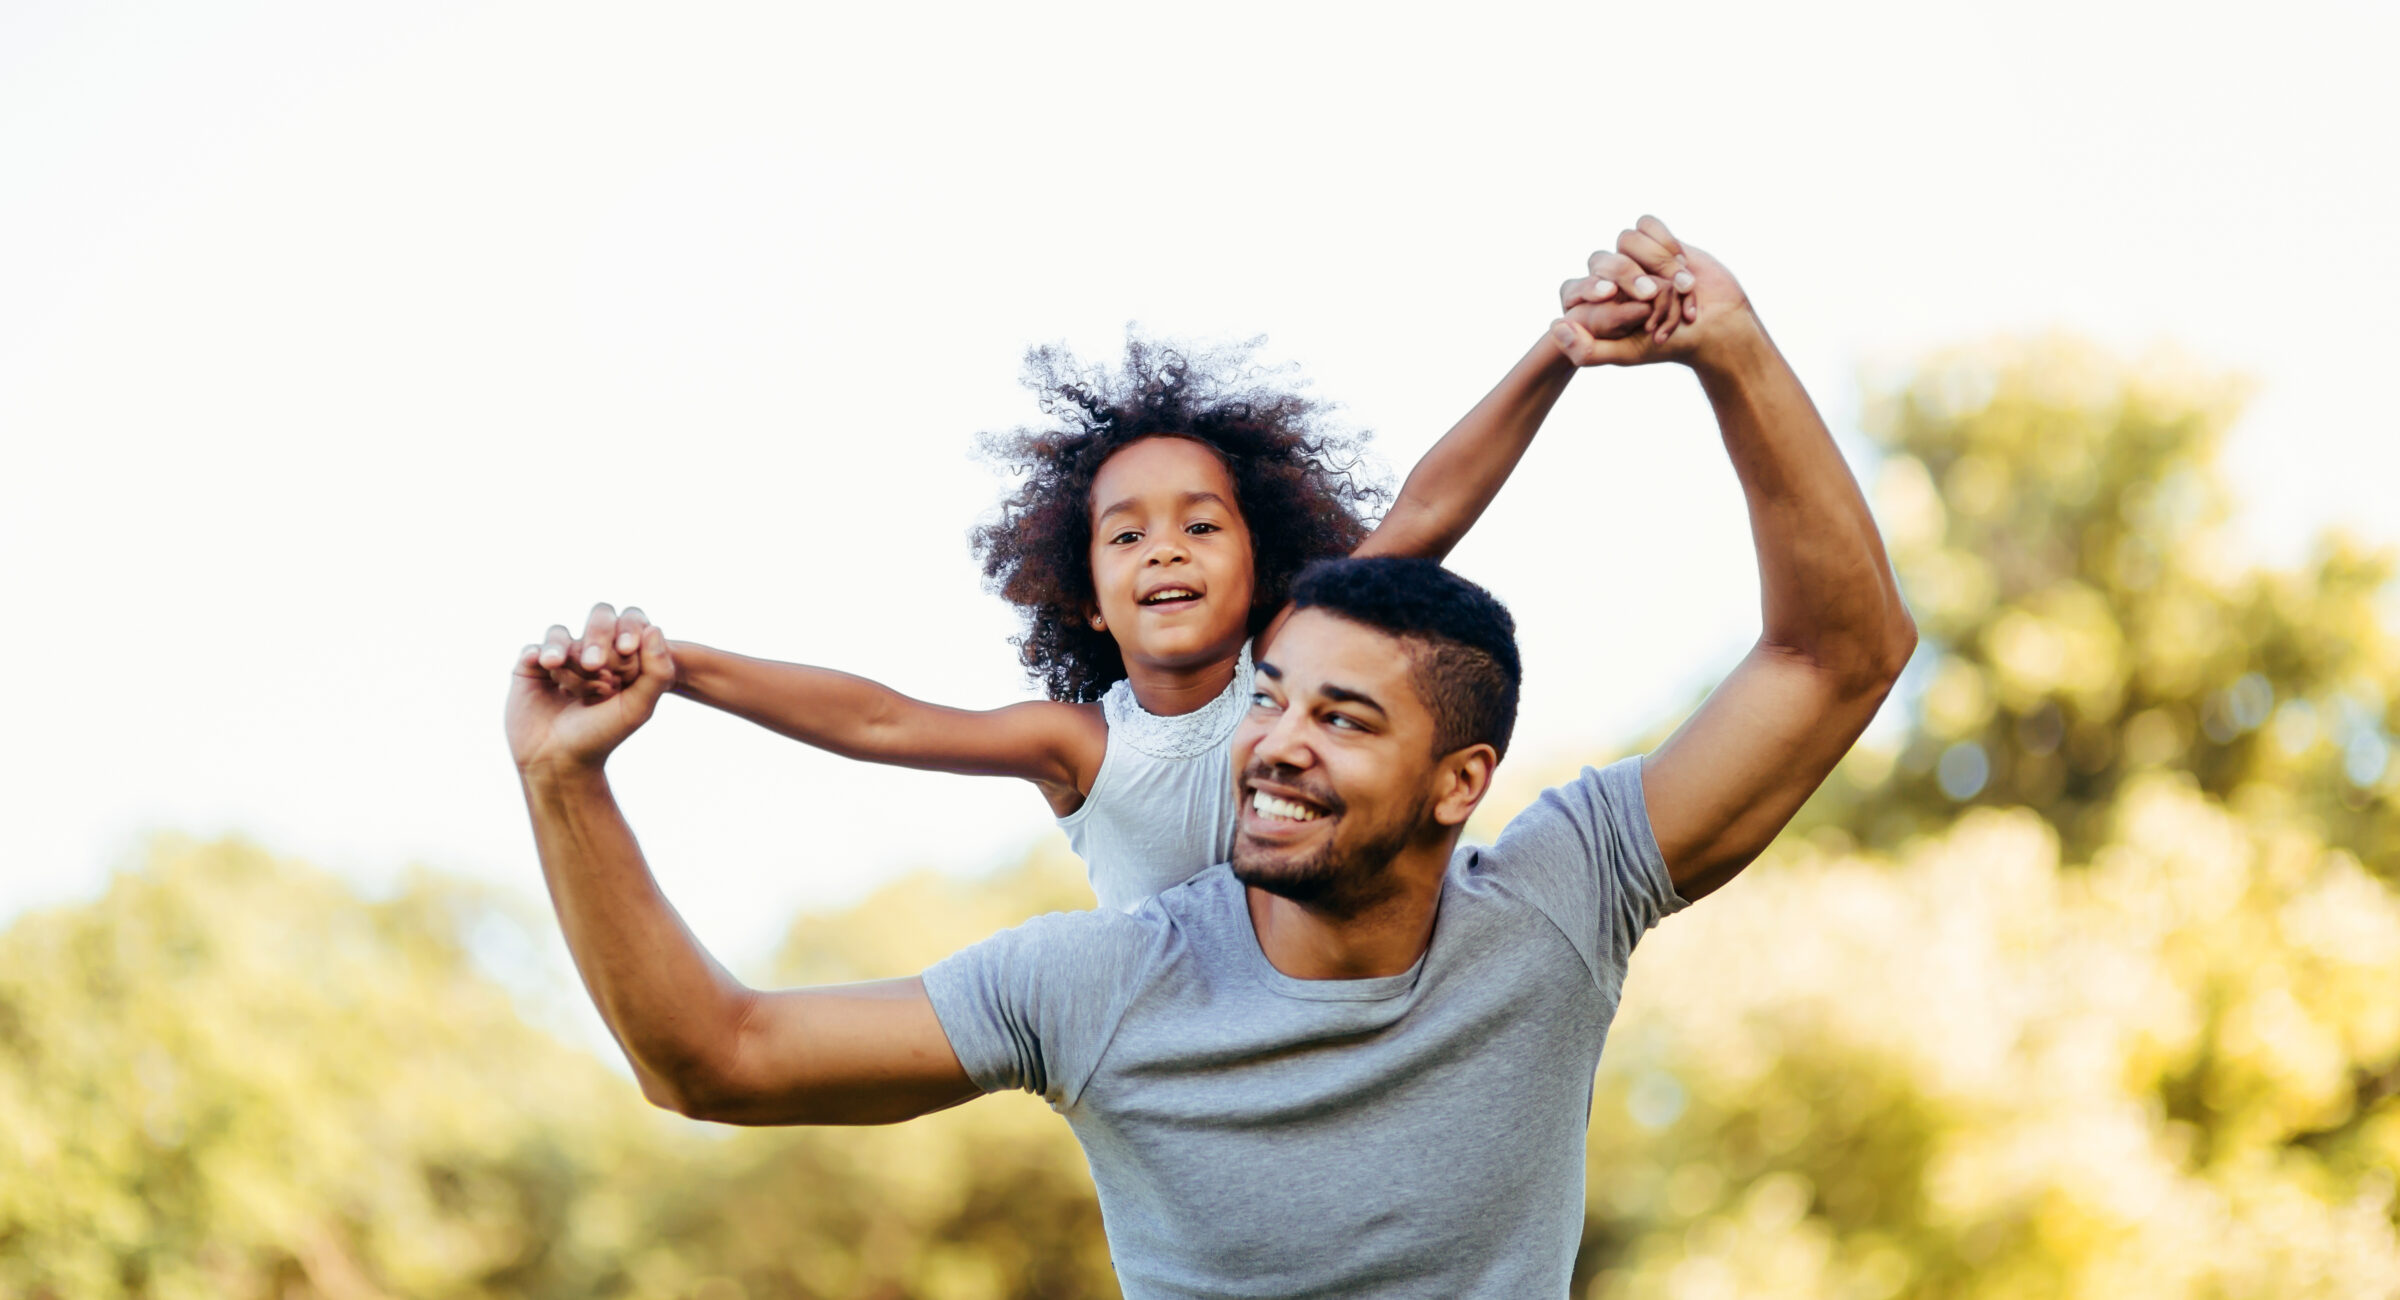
(346, 347)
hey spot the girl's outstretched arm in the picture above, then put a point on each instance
(1056, 746)
(1450, 488)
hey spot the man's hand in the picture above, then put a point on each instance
(1630, 293)
(563, 717)
(602, 661)
(1650, 252)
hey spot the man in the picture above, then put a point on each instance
(1356, 1060)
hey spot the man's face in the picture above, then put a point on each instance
(1334, 763)
(1171, 557)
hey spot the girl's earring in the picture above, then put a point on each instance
(1099, 624)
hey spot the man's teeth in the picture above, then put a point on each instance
(1270, 806)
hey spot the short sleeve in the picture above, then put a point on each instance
(1033, 1007)
(1584, 854)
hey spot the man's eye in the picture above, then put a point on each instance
(1344, 721)
(1262, 700)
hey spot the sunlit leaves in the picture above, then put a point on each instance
(2093, 974)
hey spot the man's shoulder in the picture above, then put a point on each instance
(1106, 936)
(1570, 819)
(1208, 892)
(1583, 853)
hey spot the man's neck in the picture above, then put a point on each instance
(1384, 935)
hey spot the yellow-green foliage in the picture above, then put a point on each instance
(2087, 984)
(232, 1076)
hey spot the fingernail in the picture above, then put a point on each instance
(627, 643)
(592, 655)
(1684, 281)
(1645, 286)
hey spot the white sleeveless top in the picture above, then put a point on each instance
(1161, 808)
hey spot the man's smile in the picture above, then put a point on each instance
(1283, 813)
(1267, 805)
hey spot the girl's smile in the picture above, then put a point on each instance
(1172, 564)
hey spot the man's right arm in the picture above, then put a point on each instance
(699, 1041)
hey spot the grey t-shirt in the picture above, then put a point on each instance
(1252, 1134)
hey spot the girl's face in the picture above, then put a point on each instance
(1171, 558)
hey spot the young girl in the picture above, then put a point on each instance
(1155, 536)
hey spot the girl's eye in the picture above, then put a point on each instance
(1203, 528)
(1125, 538)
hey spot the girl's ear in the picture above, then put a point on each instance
(1099, 624)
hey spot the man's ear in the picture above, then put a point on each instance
(1462, 779)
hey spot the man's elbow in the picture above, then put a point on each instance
(694, 1079)
(1869, 665)
(689, 1090)
(1899, 646)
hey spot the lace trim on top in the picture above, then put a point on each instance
(1186, 735)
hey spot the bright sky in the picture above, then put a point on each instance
(347, 346)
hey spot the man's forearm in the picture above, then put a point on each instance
(1825, 583)
(1457, 479)
(673, 1009)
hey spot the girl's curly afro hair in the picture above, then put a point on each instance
(1298, 480)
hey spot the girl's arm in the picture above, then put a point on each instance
(1450, 488)
(1056, 746)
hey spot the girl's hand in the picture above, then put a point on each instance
(557, 729)
(1647, 268)
(1704, 278)
(603, 661)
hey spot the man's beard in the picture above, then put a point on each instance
(1335, 876)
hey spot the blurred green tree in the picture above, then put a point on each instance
(2058, 521)
(231, 1076)
(2081, 984)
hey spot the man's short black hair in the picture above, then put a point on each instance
(1462, 640)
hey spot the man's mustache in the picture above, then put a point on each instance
(1320, 795)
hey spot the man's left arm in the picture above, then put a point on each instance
(1835, 633)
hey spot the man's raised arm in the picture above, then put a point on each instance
(700, 1042)
(1835, 633)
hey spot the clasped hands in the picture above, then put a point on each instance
(1643, 302)
(573, 699)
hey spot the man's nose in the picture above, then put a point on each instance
(1285, 744)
